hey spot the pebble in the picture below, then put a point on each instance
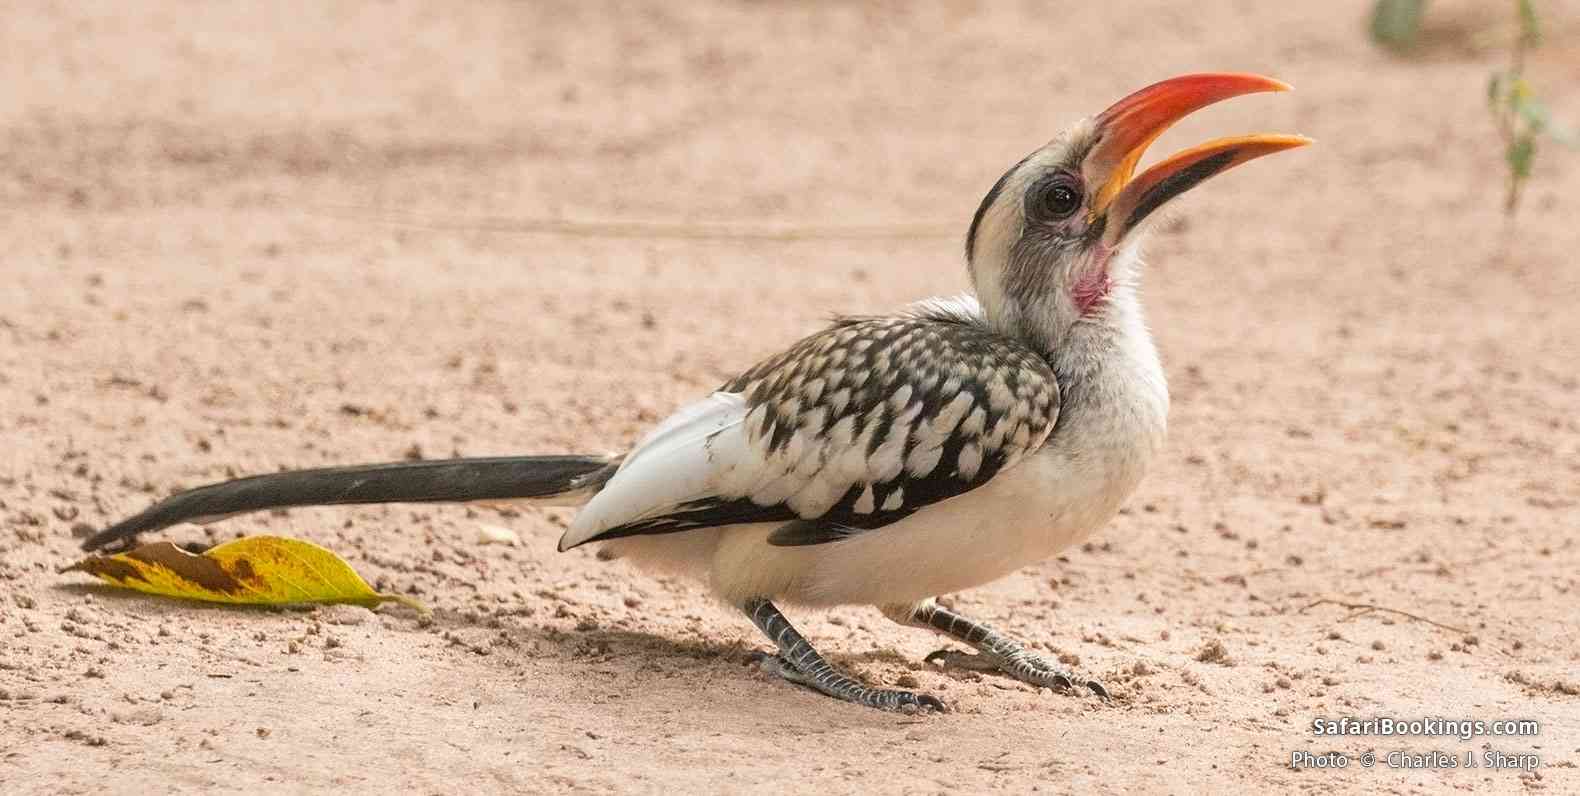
(497, 534)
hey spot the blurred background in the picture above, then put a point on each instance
(243, 236)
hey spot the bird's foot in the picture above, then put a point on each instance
(1021, 665)
(825, 679)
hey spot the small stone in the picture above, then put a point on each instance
(1214, 652)
(264, 732)
(497, 534)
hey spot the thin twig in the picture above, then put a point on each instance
(1366, 608)
(646, 230)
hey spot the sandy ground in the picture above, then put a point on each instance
(238, 237)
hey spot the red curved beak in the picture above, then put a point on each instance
(1130, 125)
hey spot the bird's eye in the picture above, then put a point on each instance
(1058, 199)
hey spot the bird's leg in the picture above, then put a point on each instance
(799, 663)
(995, 652)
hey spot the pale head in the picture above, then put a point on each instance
(1062, 227)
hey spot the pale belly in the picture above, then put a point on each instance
(1023, 516)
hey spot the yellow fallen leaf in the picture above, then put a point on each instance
(253, 570)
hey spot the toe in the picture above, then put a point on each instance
(769, 662)
(912, 703)
(971, 662)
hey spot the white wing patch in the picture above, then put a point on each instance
(685, 458)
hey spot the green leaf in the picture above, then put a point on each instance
(1530, 26)
(1397, 23)
(1521, 155)
(254, 570)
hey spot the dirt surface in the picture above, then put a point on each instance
(246, 236)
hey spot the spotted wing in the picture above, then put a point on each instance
(851, 429)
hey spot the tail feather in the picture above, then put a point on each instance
(439, 481)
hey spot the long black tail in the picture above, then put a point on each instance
(440, 481)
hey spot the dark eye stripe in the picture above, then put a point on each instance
(987, 202)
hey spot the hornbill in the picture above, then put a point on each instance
(885, 460)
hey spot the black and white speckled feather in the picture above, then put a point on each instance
(855, 427)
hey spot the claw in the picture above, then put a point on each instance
(973, 662)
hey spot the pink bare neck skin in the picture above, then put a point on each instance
(1093, 285)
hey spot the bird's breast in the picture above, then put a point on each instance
(1026, 514)
(1110, 427)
